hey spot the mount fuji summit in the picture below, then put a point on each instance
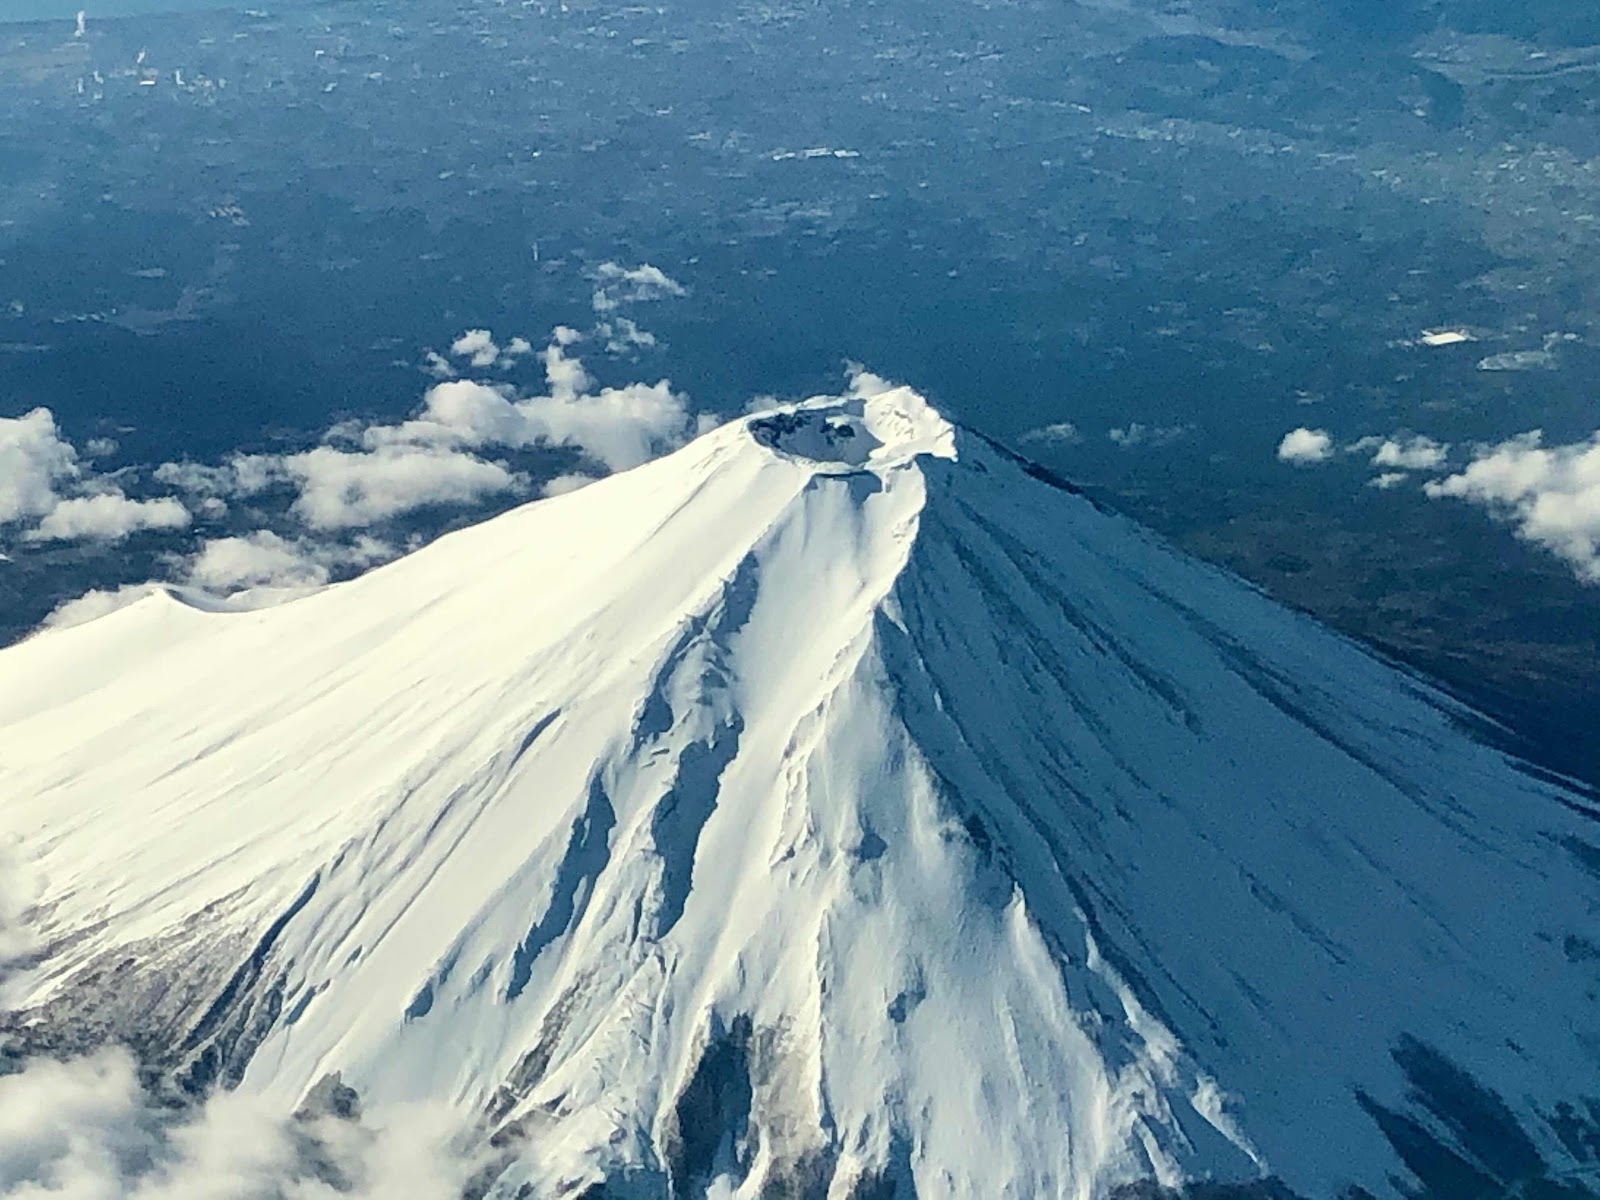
(841, 808)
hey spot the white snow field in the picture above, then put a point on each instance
(833, 808)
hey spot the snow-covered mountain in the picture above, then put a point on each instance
(839, 808)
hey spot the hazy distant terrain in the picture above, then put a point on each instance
(1140, 242)
(65, 10)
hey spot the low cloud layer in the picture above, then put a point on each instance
(365, 474)
(459, 448)
(1550, 493)
(86, 1130)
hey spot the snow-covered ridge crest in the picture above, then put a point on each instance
(815, 814)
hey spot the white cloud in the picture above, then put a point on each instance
(255, 560)
(97, 603)
(1305, 446)
(34, 459)
(1388, 480)
(562, 484)
(85, 1129)
(1138, 433)
(109, 516)
(241, 475)
(478, 347)
(765, 402)
(430, 458)
(1552, 493)
(620, 285)
(263, 559)
(101, 447)
(622, 335)
(458, 411)
(340, 489)
(196, 478)
(1413, 454)
(1061, 433)
(565, 375)
(480, 350)
(438, 365)
(619, 427)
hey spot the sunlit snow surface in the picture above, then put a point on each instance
(830, 806)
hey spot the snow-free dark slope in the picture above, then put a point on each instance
(829, 809)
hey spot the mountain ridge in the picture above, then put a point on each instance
(821, 809)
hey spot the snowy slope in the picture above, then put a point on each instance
(828, 809)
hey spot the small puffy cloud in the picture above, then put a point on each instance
(1551, 493)
(97, 603)
(1388, 480)
(618, 285)
(263, 559)
(402, 468)
(241, 475)
(619, 427)
(196, 478)
(1413, 454)
(1059, 434)
(438, 365)
(461, 411)
(564, 374)
(477, 346)
(34, 460)
(480, 350)
(260, 559)
(1305, 446)
(341, 489)
(562, 484)
(1137, 433)
(622, 335)
(101, 447)
(109, 516)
